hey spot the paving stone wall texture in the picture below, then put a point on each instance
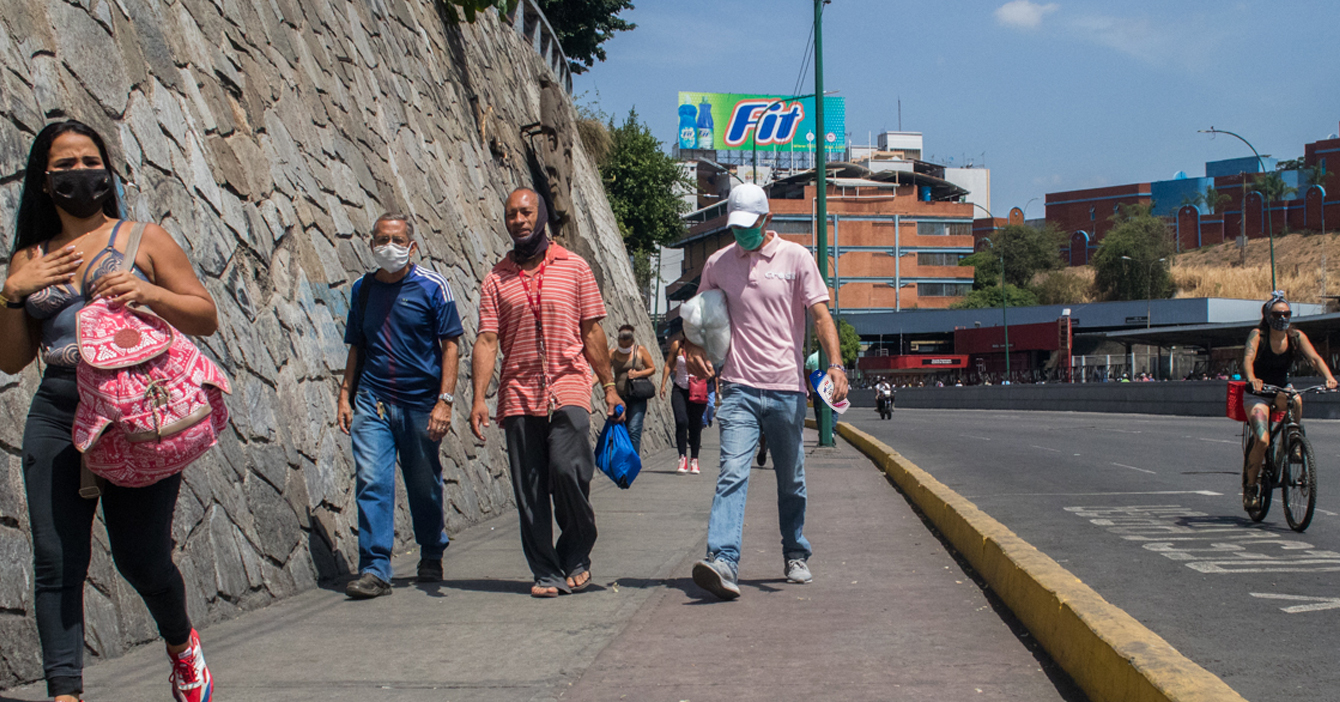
(266, 136)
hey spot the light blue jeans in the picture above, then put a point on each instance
(378, 437)
(636, 412)
(781, 417)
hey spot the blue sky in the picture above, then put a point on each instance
(1049, 95)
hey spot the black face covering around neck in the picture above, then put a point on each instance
(81, 191)
(535, 242)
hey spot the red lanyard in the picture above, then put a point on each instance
(534, 303)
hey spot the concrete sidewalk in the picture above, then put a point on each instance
(890, 615)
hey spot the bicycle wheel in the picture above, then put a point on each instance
(1299, 479)
(1263, 484)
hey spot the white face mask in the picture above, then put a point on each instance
(625, 349)
(391, 258)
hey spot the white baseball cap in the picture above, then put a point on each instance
(746, 205)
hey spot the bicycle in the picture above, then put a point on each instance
(1289, 464)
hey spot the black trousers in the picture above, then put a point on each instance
(139, 530)
(688, 421)
(551, 458)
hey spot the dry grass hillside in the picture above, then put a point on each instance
(1307, 267)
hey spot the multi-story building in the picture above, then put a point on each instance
(895, 237)
(1086, 215)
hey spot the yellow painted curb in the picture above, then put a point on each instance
(1110, 655)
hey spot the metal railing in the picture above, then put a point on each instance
(530, 23)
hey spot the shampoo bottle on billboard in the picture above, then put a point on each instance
(688, 128)
(705, 125)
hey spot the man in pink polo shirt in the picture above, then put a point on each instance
(768, 283)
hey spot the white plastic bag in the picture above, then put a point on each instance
(707, 324)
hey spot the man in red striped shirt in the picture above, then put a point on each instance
(542, 304)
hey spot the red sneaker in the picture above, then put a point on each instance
(191, 681)
(693, 467)
(683, 464)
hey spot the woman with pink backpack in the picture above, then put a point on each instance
(70, 250)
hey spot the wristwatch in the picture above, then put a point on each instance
(11, 304)
(447, 397)
(838, 366)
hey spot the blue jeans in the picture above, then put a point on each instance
(378, 437)
(781, 417)
(635, 412)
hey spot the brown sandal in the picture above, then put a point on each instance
(578, 587)
(543, 591)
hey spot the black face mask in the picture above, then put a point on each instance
(81, 191)
(536, 242)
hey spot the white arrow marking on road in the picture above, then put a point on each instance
(1318, 603)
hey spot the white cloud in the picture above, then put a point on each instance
(1152, 42)
(1023, 14)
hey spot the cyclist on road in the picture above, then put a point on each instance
(1269, 364)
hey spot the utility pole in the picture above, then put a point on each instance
(821, 186)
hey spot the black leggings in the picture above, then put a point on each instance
(688, 420)
(139, 530)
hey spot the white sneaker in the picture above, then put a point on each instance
(683, 464)
(693, 467)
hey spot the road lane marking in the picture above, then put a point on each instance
(1327, 512)
(1210, 545)
(970, 436)
(1318, 603)
(1142, 470)
(1044, 448)
(1221, 441)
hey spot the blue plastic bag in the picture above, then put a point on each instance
(615, 456)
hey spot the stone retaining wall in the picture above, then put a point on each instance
(266, 136)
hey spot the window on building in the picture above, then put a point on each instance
(943, 289)
(787, 227)
(938, 259)
(944, 229)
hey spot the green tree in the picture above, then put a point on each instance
(1214, 199)
(1315, 175)
(990, 297)
(849, 341)
(641, 183)
(986, 269)
(1026, 250)
(1272, 187)
(583, 25)
(1126, 262)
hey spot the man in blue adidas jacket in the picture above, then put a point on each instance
(402, 335)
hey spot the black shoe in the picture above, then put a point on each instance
(430, 570)
(762, 455)
(367, 587)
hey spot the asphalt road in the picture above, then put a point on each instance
(1147, 510)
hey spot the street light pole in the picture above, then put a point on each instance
(1004, 299)
(1270, 230)
(821, 186)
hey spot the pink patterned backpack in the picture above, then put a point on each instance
(149, 401)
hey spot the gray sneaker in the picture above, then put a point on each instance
(716, 577)
(797, 571)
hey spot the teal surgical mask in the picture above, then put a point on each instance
(749, 239)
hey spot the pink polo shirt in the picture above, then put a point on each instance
(767, 293)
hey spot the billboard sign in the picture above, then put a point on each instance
(739, 121)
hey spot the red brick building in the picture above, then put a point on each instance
(897, 236)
